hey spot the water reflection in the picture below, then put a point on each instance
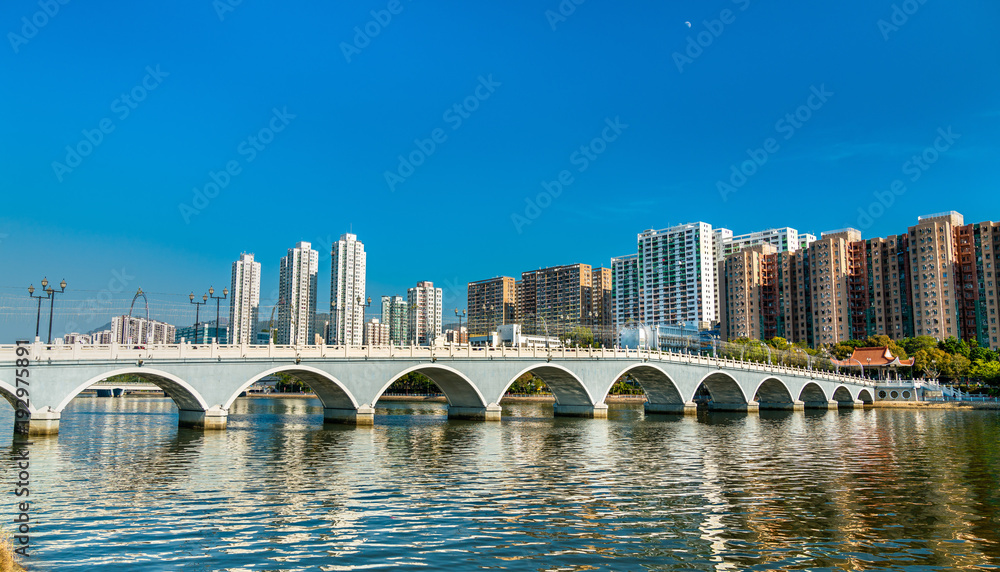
(121, 488)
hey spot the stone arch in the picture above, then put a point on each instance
(565, 386)
(812, 393)
(865, 396)
(772, 390)
(457, 388)
(330, 390)
(722, 387)
(843, 395)
(9, 393)
(658, 385)
(184, 396)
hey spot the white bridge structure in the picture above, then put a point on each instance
(205, 380)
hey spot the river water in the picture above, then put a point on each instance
(122, 488)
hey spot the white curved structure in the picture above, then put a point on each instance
(205, 380)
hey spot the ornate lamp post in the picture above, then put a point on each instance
(368, 305)
(52, 302)
(31, 292)
(198, 305)
(218, 300)
(460, 316)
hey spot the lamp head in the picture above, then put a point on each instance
(211, 290)
(225, 292)
(204, 297)
(45, 283)
(63, 284)
(31, 289)
(191, 296)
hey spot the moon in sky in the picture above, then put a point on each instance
(688, 24)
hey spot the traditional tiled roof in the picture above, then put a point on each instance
(874, 357)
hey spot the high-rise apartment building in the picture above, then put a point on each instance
(425, 313)
(133, 331)
(297, 295)
(979, 295)
(245, 300)
(601, 319)
(347, 290)
(376, 333)
(491, 302)
(395, 317)
(625, 290)
(933, 268)
(677, 274)
(888, 291)
(937, 280)
(748, 278)
(555, 300)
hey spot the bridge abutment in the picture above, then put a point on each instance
(212, 420)
(599, 411)
(689, 408)
(40, 423)
(489, 413)
(363, 415)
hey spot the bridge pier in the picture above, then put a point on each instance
(40, 423)
(212, 420)
(105, 393)
(749, 407)
(363, 415)
(859, 404)
(689, 408)
(489, 413)
(599, 411)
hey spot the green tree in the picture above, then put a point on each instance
(959, 367)
(954, 346)
(986, 371)
(842, 350)
(914, 345)
(778, 343)
(883, 340)
(931, 363)
(626, 385)
(982, 354)
(580, 336)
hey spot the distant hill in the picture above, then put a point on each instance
(100, 328)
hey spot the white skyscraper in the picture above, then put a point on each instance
(677, 274)
(425, 313)
(297, 295)
(245, 300)
(347, 290)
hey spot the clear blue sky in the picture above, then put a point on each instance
(538, 95)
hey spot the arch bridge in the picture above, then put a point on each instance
(205, 380)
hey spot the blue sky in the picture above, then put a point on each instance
(551, 77)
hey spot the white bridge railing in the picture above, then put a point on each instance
(98, 352)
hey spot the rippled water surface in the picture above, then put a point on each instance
(122, 488)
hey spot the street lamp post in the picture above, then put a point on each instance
(197, 312)
(218, 300)
(459, 325)
(52, 302)
(368, 305)
(31, 292)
